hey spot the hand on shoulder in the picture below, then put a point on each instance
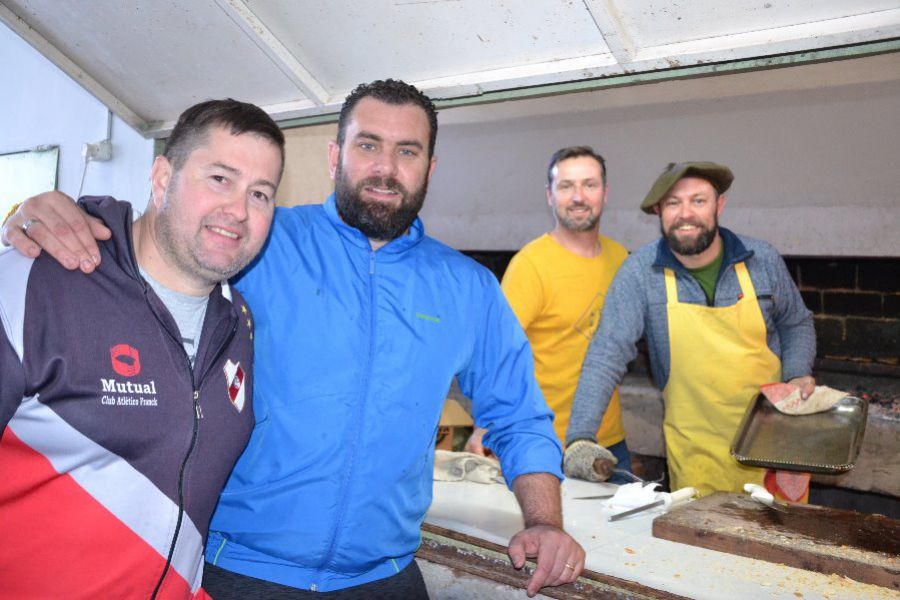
(52, 221)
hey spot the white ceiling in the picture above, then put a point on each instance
(149, 59)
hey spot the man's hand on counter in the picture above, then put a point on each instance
(559, 558)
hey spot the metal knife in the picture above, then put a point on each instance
(765, 497)
(668, 500)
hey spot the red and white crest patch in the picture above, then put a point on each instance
(234, 379)
(126, 360)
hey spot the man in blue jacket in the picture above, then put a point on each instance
(361, 322)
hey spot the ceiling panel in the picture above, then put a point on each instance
(158, 58)
(428, 40)
(660, 22)
(148, 59)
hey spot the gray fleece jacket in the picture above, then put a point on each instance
(636, 306)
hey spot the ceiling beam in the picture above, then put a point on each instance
(704, 70)
(552, 71)
(278, 111)
(791, 38)
(609, 21)
(277, 52)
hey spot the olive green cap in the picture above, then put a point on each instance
(718, 175)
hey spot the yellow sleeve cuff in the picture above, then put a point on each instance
(11, 212)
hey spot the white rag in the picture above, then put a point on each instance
(632, 495)
(465, 466)
(822, 399)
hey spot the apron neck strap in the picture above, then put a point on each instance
(747, 289)
(671, 287)
(740, 269)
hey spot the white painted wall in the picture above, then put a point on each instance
(815, 151)
(41, 105)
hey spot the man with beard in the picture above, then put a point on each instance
(125, 397)
(557, 284)
(361, 322)
(721, 316)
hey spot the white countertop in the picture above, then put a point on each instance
(627, 549)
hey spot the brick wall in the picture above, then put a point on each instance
(495, 260)
(856, 302)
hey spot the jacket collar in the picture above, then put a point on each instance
(735, 252)
(117, 217)
(396, 246)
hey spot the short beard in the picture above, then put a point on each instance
(375, 220)
(182, 253)
(577, 226)
(690, 247)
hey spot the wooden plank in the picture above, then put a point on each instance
(487, 560)
(860, 546)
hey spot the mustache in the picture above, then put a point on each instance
(388, 183)
(687, 222)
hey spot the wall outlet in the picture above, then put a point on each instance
(98, 151)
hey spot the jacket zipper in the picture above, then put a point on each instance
(334, 538)
(198, 414)
(195, 398)
(712, 301)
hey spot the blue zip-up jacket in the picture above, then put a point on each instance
(636, 306)
(356, 350)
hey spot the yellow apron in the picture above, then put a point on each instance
(718, 360)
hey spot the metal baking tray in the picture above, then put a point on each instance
(825, 442)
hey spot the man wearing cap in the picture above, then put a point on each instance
(721, 316)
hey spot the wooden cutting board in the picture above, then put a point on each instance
(860, 546)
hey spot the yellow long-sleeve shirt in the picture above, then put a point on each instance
(558, 298)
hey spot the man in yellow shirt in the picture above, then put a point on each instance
(556, 285)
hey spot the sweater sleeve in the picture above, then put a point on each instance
(506, 398)
(793, 321)
(610, 351)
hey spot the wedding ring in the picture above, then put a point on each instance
(28, 223)
(568, 566)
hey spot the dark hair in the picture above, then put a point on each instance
(574, 152)
(390, 91)
(192, 128)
